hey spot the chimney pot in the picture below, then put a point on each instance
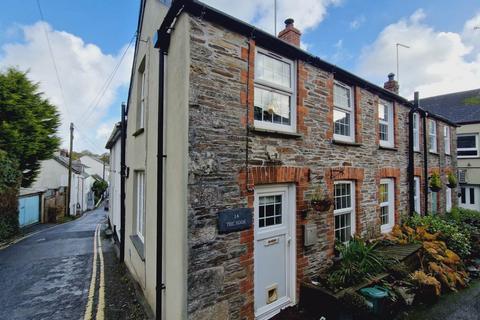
(290, 34)
(391, 76)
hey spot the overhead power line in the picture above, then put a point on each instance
(98, 98)
(52, 56)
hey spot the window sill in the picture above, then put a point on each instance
(418, 151)
(387, 148)
(434, 152)
(139, 246)
(138, 132)
(284, 134)
(346, 143)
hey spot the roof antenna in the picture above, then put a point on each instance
(275, 17)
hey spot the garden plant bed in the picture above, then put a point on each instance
(320, 301)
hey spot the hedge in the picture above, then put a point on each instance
(10, 178)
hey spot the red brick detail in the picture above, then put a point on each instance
(358, 115)
(344, 173)
(246, 77)
(393, 173)
(271, 175)
(302, 111)
(329, 119)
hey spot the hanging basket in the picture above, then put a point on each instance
(435, 188)
(452, 186)
(321, 205)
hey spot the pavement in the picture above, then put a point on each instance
(48, 275)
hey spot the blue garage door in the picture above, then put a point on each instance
(29, 208)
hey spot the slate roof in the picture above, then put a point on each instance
(460, 107)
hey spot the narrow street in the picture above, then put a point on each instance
(49, 275)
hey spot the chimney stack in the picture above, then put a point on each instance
(391, 84)
(290, 34)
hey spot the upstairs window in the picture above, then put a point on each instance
(343, 113)
(467, 146)
(432, 129)
(385, 119)
(446, 139)
(142, 94)
(416, 132)
(274, 103)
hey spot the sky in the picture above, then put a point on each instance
(89, 38)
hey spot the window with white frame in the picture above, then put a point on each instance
(448, 199)
(274, 95)
(142, 93)
(446, 139)
(416, 193)
(467, 145)
(140, 204)
(432, 130)
(387, 204)
(433, 202)
(385, 119)
(344, 212)
(416, 132)
(343, 112)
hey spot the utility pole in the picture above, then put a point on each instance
(67, 207)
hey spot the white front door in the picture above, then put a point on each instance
(274, 250)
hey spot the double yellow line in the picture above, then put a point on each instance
(97, 251)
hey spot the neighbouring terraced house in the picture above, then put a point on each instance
(230, 132)
(463, 108)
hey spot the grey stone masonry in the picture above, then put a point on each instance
(220, 266)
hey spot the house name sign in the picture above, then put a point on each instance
(232, 220)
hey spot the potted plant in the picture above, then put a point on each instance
(320, 202)
(452, 180)
(435, 182)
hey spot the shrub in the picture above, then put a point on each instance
(10, 178)
(359, 261)
(456, 238)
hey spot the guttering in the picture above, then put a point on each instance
(425, 161)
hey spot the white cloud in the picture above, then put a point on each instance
(437, 62)
(357, 22)
(83, 69)
(306, 13)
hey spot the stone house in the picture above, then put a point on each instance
(230, 133)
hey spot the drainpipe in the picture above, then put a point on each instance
(411, 157)
(160, 286)
(123, 139)
(425, 161)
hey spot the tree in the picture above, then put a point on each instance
(28, 123)
(98, 188)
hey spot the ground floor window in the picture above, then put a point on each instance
(416, 193)
(433, 202)
(344, 212)
(448, 199)
(387, 204)
(140, 204)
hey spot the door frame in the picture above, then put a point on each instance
(291, 250)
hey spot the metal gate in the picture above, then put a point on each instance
(29, 208)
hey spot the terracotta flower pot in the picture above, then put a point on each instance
(322, 205)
